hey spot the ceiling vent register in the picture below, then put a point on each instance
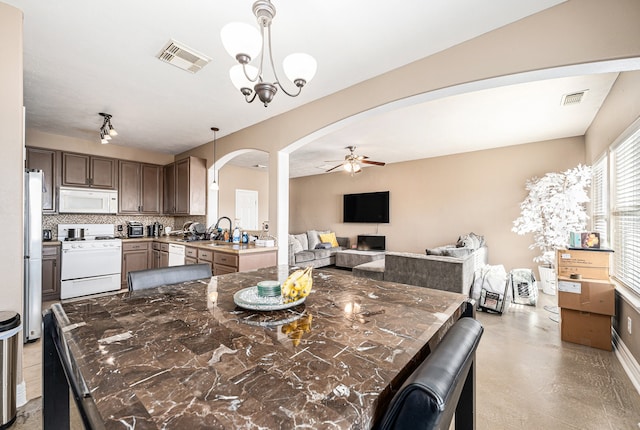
(573, 98)
(182, 56)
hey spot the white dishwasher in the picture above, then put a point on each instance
(176, 255)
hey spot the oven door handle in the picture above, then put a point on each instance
(89, 279)
(84, 251)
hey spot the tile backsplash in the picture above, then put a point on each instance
(51, 221)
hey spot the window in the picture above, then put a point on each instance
(625, 217)
(599, 200)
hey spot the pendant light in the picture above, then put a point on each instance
(214, 185)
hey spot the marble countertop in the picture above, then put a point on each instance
(218, 246)
(186, 357)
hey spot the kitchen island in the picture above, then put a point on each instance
(186, 356)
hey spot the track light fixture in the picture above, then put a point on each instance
(107, 130)
(243, 42)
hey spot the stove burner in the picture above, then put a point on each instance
(104, 238)
(72, 239)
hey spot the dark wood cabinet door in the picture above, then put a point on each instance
(182, 187)
(75, 170)
(169, 189)
(155, 259)
(164, 259)
(129, 187)
(50, 273)
(103, 173)
(150, 189)
(45, 160)
(134, 260)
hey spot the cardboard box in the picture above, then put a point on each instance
(588, 296)
(589, 264)
(586, 328)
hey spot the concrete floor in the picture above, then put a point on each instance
(527, 378)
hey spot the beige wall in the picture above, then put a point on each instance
(12, 164)
(54, 141)
(232, 178)
(572, 33)
(618, 112)
(435, 200)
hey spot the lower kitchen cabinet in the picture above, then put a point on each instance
(206, 256)
(190, 255)
(135, 256)
(164, 255)
(50, 272)
(224, 263)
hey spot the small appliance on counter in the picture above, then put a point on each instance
(135, 229)
(154, 230)
(46, 235)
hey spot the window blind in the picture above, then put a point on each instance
(626, 211)
(599, 201)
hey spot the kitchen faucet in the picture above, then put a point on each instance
(218, 235)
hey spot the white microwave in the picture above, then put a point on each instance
(87, 201)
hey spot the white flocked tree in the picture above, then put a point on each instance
(554, 207)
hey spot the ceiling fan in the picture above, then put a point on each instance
(352, 162)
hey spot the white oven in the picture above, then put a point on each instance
(92, 265)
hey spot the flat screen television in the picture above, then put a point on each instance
(366, 207)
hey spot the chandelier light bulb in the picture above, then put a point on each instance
(238, 78)
(241, 40)
(300, 66)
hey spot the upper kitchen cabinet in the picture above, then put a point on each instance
(139, 189)
(185, 185)
(81, 170)
(47, 161)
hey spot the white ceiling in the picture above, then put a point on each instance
(83, 57)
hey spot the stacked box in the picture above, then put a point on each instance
(588, 264)
(587, 300)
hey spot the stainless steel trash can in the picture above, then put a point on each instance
(10, 327)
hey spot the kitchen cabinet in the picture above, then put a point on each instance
(47, 161)
(164, 255)
(155, 255)
(185, 185)
(50, 272)
(206, 256)
(82, 170)
(190, 255)
(135, 256)
(224, 263)
(139, 188)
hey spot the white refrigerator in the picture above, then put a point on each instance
(32, 317)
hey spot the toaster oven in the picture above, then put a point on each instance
(135, 229)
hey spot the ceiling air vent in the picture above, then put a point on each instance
(573, 98)
(182, 56)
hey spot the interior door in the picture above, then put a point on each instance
(247, 209)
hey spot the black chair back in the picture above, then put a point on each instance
(430, 396)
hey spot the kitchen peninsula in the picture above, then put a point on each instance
(186, 357)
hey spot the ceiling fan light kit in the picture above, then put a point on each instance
(244, 43)
(352, 162)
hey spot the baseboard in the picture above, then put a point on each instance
(628, 361)
(21, 394)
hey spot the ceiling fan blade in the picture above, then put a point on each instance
(375, 163)
(333, 168)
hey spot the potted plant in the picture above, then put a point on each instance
(554, 207)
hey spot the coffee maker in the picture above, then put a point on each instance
(154, 230)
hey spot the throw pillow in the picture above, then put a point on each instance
(313, 238)
(304, 241)
(329, 238)
(441, 250)
(323, 245)
(297, 246)
(458, 252)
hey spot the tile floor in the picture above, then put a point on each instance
(526, 378)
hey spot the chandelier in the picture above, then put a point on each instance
(107, 130)
(243, 42)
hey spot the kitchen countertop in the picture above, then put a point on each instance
(185, 356)
(217, 246)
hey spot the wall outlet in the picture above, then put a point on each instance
(629, 324)
(119, 227)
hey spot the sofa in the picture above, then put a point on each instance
(308, 248)
(440, 268)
